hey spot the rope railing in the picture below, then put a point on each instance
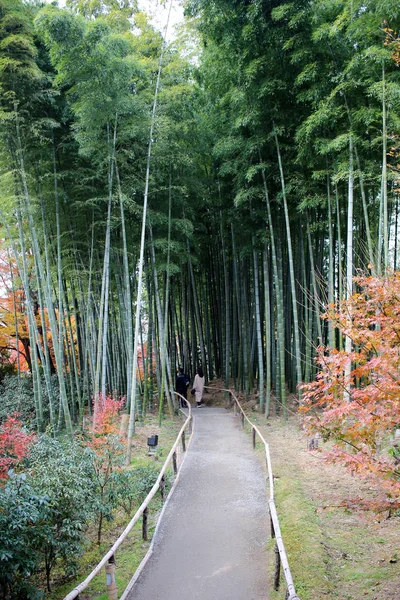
(108, 560)
(280, 552)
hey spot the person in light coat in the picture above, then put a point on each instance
(198, 386)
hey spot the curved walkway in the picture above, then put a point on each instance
(211, 541)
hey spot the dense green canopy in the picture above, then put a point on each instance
(270, 175)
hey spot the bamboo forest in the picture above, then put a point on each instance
(219, 197)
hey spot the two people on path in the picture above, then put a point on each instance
(198, 386)
(181, 386)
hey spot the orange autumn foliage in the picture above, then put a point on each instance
(362, 427)
(107, 448)
(107, 421)
(12, 314)
(392, 41)
(14, 320)
(104, 434)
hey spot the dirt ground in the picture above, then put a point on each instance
(361, 549)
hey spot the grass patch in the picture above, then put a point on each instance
(366, 562)
(303, 539)
(300, 527)
(333, 552)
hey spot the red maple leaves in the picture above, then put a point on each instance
(14, 444)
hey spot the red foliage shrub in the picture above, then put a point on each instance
(14, 444)
(360, 410)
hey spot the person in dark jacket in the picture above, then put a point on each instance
(181, 385)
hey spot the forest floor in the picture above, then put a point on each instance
(333, 552)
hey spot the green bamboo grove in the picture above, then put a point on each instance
(193, 203)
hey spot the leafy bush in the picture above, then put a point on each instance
(14, 444)
(17, 396)
(107, 452)
(132, 486)
(7, 366)
(355, 399)
(62, 470)
(21, 518)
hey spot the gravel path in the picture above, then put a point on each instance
(211, 541)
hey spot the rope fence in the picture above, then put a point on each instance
(281, 559)
(108, 560)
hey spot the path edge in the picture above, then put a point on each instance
(149, 552)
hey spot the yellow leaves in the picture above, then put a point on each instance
(392, 41)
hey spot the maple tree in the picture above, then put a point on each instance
(15, 342)
(107, 420)
(362, 426)
(14, 444)
(107, 448)
(14, 336)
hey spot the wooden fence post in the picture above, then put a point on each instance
(110, 579)
(174, 464)
(183, 442)
(277, 568)
(234, 408)
(144, 523)
(162, 487)
(253, 434)
(242, 415)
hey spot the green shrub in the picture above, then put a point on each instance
(131, 486)
(22, 514)
(17, 396)
(7, 367)
(62, 470)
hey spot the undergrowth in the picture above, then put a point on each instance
(133, 549)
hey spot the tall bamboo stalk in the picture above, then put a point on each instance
(131, 428)
(384, 198)
(331, 290)
(278, 300)
(349, 269)
(47, 290)
(258, 332)
(291, 268)
(268, 337)
(314, 285)
(127, 290)
(227, 350)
